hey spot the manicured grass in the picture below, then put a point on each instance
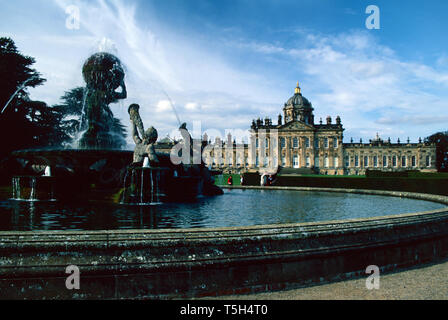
(429, 175)
(434, 183)
(325, 176)
(221, 180)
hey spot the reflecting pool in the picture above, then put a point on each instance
(235, 208)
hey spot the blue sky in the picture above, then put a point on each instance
(224, 63)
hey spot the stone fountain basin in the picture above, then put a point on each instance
(98, 173)
(185, 263)
(75, 159)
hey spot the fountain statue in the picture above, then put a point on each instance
(144, 147)
(103, 74)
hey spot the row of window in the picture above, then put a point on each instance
(295, 142)
(366, 161)
(296, 162)
(385, 163)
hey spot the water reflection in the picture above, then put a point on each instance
(234, 208)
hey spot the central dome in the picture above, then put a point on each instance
(298, 108)
(298, 101)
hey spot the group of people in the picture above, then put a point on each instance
(266, 180)
(230, 180)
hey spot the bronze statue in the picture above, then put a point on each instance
(144, 146)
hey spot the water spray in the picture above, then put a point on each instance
(16, 92)
(172, 107)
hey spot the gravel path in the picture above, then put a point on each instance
(426, 282)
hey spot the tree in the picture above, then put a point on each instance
(441, 141)
(18, 122)
(15, 69)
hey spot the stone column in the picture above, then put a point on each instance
(288, 151)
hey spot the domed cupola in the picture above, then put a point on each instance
(298, 108)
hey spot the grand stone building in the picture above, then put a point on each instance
(296, 144)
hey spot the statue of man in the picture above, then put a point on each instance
(144, 146)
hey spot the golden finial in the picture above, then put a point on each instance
(297, 90)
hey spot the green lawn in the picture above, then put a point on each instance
(221, 180)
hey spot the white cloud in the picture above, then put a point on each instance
(169, 66)
(365, 82)
(193, 106)
(163, 106)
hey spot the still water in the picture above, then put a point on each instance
(234, 208)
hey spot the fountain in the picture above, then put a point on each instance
(248, 240)
(98, 169)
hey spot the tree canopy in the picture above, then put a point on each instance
(441, 141)
(29, 124)
(21, 124)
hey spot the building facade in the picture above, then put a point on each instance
(298, 144)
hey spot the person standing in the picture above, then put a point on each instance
(230, 181)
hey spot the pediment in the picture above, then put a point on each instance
(297, 125)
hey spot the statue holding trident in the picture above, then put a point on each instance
(144, 146)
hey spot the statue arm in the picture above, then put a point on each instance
(137, 123)
(123, 94)
(135, 135)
